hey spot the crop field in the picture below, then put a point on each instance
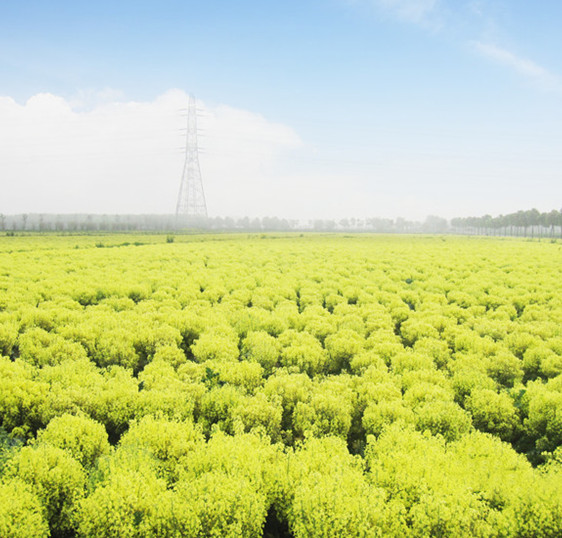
(291, 385)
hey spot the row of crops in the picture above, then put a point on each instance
(280, 386)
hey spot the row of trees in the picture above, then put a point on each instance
(531, 223)
(129, 223)
(522, 223)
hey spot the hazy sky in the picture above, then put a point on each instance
(309, 109)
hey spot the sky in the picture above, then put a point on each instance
(307, 109)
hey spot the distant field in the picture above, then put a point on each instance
(290, 385)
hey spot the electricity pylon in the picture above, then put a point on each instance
(191, 198)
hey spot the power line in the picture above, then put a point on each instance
(191, 197)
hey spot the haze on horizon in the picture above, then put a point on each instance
(317, 109)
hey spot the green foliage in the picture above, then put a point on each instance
(83, 438)
(226, 506)
(544, 417)
(232, 481)
(8, 448)
(467, 378)
(261, 414)
(168, 442)
(8, 336)
(21, 397)
(57, 480)
(381, 414)
(338, 505)
(170, 354)
(342, 347)
(492, 412)
(326, 493)
(291, 389)
(331, 386)
(246, 375)
(442, 418)
(116, 403)
(165, 392)
(115, 347)
(327, 411)
(137, 504)
(41, 348)
(21, 513)
(216, 344)
(263, 348)
(453, 490)
(301, 352)
(505, 369)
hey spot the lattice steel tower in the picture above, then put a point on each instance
(191, 198)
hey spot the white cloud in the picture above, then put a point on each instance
(64, 156)
(527, 68)
(87, 99)
(97, 154)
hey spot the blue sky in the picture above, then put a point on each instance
(310, 109)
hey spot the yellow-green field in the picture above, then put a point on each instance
(280, 386)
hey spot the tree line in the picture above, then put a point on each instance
(524, 223)
(531, 223)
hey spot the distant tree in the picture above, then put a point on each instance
(434, 224)
(243, 223)
(552, 220)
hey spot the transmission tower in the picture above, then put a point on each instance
(191, 198)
